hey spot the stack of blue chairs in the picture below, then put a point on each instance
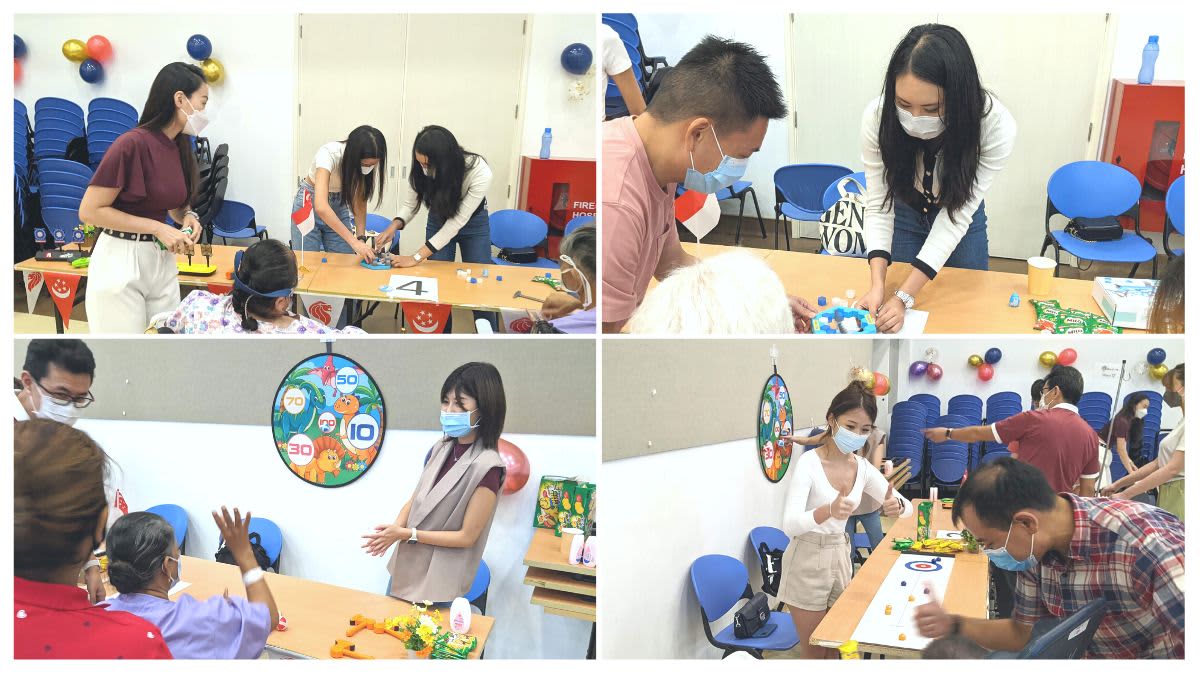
(906, 440)
(1095, 408)
(932, 405)
(626, 27)
(107, 119)
(1000, 406)
(21, 141)
(61, 184)
(56, 122)
(949, 459)
(970, 408)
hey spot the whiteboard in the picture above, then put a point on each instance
(904, 581)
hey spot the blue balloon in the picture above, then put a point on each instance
(1156, 356)
(577, 58)
(199, 47)
(19, 50)
(992, 356)
(91, 71)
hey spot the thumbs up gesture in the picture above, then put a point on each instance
(841, 507)
(931, 619)
(891, 505)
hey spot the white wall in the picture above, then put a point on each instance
(1134, 30)
(546, 104)
(672, 35)
(203, 466)
(252, 109)
(1019, 366)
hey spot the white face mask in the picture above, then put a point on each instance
(366, 170)
(587, 288)
(196, 121)
(178, 571)
(50, 410)
(1141, 412)
(923, 128)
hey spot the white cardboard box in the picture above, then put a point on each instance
(1125, 302)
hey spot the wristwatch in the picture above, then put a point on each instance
(412, 538)
(193, 214)
(947, 433)
(905, 298)
(956, 626)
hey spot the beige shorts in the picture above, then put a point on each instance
(816, 569)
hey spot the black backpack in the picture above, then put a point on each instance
(77, 150)
(224, 555)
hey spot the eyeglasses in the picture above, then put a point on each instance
(58, 399)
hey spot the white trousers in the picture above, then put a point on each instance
(129, 282)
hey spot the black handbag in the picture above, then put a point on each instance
(519, 256)
(751, 617)
(771, 562)
(1107, 228)
(224, 555)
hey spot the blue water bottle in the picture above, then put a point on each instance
(546, 138)
(1149, 56)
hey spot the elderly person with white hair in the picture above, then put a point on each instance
(731, 293)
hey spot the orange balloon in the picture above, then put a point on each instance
(882, 385)
(516, 466)
(99, 48)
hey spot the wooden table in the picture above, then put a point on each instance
(966, 594)
(317, 613)
(562, 589)
(958, 300)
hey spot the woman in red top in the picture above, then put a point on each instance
(59, 514)
(147, 174)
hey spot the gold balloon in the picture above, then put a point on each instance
(1048, 359)
(74, 50)
(1159, 371)
(213, 71)
(975, 360)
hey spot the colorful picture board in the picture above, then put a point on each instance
(774, 424)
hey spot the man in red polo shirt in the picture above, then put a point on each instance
(1053, 438)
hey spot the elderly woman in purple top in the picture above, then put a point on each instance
(575, 310)
(145, 563)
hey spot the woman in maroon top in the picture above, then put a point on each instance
(59, 514)
(147, 174)
(1124, 433)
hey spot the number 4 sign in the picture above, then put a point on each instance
(413, 288)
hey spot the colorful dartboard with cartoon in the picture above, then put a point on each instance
(328, 420)
(774, 424)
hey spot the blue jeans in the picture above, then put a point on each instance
(322, 237)
(474, 245)
(912, 228)
(871, 525)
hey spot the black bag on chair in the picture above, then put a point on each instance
(224, 555)
(1107, 228)
(519, 256)
(771, 560)
(751, 617)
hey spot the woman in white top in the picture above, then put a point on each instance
(1167, 473)
(931, 145)
(827, 486)
(344, 177)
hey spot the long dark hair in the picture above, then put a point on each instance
(443, 193)
(482, 382)
(1136, 425)
(159, 113)
(364, 143)
(268, 265)
(939, 55)
(136, 545)
(1166, 311)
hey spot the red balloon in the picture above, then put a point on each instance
(1067, 356)
(17, 72)
(986, 371)
(517, 466)
(934, 372)
(882, 385)
(99, 48)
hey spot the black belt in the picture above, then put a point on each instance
(129, 236)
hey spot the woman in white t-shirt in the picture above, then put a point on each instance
(619, 68)
(931, 145)
(827, 486)
(344, 177)
(1167, 473)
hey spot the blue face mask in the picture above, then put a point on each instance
(1005, 561)
(457, 424)
(728, 172)
(847, 441)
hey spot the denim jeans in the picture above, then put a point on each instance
(322, 237)
(911, 229)
(473, 244)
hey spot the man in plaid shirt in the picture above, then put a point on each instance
(1069, 551)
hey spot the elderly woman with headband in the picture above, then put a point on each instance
(574, 309)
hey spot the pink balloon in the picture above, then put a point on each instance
(986, 371)
(934, 372)
(1067, 356)
(516, 465)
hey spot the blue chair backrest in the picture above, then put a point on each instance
(61, 190)
(967, 406)
(1092, 189)
(20, 109)
(270, 537)
(1175, 204)
(55, 105)
(933, 405)
(233, 216)
(804, 184)
(104, 105)
(619, 17)
(1004, 397)
(832, 195)
(483, 579)
(512, 228)
(948, 459)
(1094, 408)
(1072, 636)
(176, 517)
(719, 581)
(66, 126)
(103, 136)
(773, 537)
(578, 222)
(107, 126)
(377, 223)
(66, 219)
(62, 177)
(61, 202)
(65, 166)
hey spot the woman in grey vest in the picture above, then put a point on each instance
(442, 530)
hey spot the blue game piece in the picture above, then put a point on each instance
(499, 278)
(474, 280)
(548, 275)
(1014, 300)
(386, 289)
(324, 259)
(838, 315)
(903, 583)
(485, 273)
(821, 301)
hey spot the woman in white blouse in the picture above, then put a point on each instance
(932, 145)
(828, 485)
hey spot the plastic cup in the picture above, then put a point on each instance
(1041, 273)
(564, 542)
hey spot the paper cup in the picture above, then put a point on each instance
(1040, 271)
(564, 542)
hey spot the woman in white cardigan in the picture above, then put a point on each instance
(829, 484)
(932, 144)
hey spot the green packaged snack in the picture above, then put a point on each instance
(549, 497)
(924, 511)
(902, 544)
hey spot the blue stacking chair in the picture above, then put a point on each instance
(1069, 639)
(107, 126)
(800, 191)
(948, 459)
(512, 228)
(933, 406)
(65, 166)
(627, 19)
(719, 582)
(67, 126)
(578, 222)
(57, 107)
(1095, 408)
(51, 144)
(1097, 189)
(79, 180)
(967, 406)
(832, 195)
(476, 595)
(111, 108)
(235, 220)
(906, 441)
(1174, 220)
(74, 192)
(176, 516)
(60, 201)
(774, 538)
(270, 537)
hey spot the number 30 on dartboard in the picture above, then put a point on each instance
(300, 449)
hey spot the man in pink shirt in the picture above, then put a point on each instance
(708, 116)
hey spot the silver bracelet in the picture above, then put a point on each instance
(192, 214)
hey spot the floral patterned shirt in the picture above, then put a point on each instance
(205, 312)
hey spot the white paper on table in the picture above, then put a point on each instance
(878, 627)
(413, 288)
(914, 322)
(949, 534)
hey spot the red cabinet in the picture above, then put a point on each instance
(557, 190)
(1144, 134)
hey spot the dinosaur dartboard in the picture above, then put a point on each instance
(328, 420)
(774, 422)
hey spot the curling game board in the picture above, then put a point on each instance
(888, 620)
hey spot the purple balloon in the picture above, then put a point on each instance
(917, 369)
